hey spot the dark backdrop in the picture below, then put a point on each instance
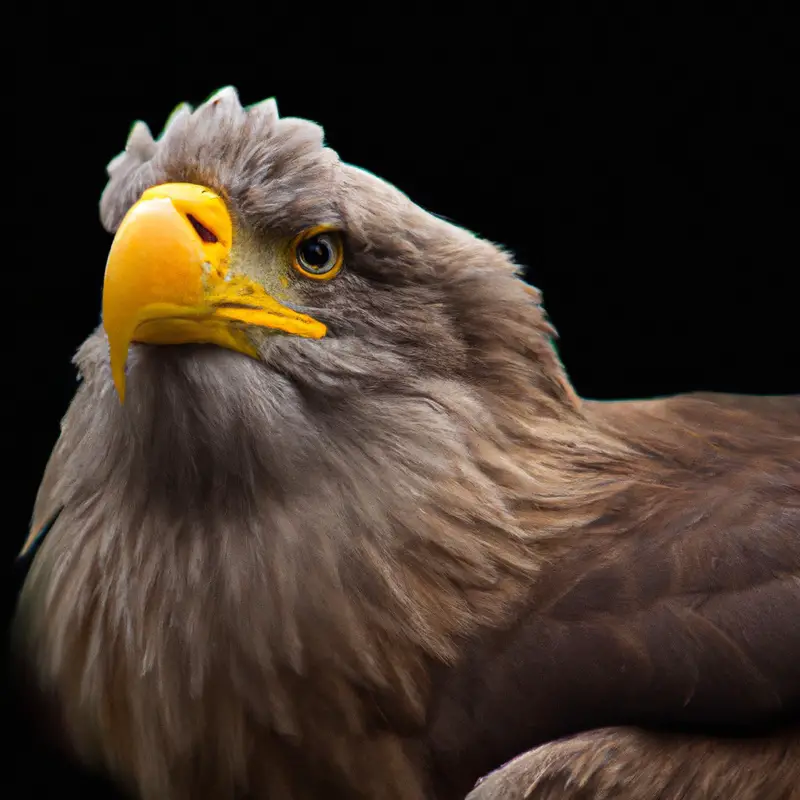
(639, 168)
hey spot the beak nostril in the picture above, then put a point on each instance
(204, 233)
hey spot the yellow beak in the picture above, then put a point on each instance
(167, 280)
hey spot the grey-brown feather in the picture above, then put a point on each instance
(275, 577)
(629, 764)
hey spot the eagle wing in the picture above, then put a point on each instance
(678, 607)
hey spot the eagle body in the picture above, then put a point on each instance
(382, 561)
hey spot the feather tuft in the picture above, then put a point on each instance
(179, 112)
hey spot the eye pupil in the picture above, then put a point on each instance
(316, 252)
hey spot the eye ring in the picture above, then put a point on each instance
(318, 253)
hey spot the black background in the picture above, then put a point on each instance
(640, 168)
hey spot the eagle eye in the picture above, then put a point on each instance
(318, 253)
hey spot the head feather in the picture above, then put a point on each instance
(219, 141)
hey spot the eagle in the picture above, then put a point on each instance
(326, 517)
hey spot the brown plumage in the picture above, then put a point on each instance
(630, 764)
(383, 563)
